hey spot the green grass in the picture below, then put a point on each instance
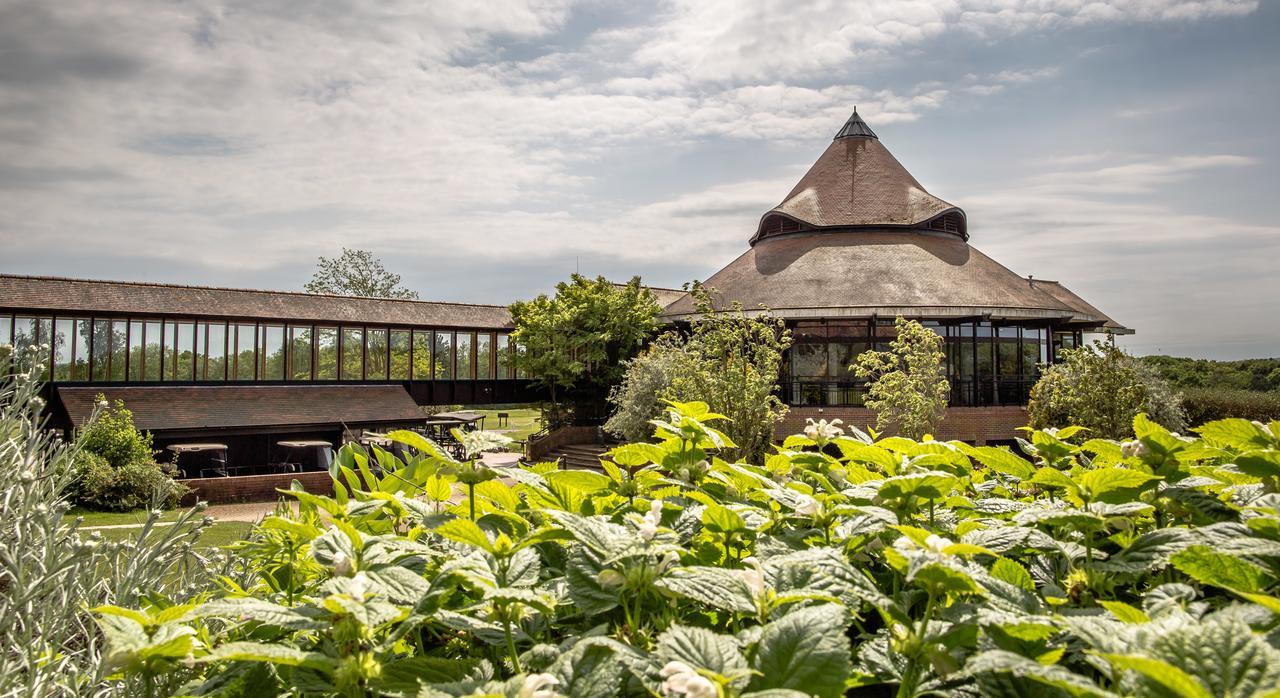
(118, 518)
(523, 422)
(215, 536)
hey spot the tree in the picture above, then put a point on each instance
(729, 360)
(581, 337)
(1102, 388)
(357, 273)
(909, 385)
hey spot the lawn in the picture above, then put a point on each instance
(524, 420)
(219, 534)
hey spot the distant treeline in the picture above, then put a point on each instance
(1257, 375)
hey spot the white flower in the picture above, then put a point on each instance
(682, 680)
(823, 431)
(102, 404)
(359, 586)
(808, 506)
(538, 686)
(342, 565)
(649, 526)
(753, 575)
(936, 543)
(1129, 449)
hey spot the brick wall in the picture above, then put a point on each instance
(253, 488)
(974, 424)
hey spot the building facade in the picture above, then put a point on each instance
(857, 243)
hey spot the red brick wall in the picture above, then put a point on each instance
(253, 488)
(975, 424)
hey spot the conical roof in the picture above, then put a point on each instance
(857, 183)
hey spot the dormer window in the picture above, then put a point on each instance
(952, 222)
(778, 225)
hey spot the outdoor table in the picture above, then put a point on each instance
(218, 459)
(324, 450)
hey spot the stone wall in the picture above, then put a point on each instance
(564, 436)
(976, 425)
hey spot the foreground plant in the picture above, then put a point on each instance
(840, 563)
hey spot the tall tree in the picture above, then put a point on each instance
(357, 273)
(581, 336)
(909, 385)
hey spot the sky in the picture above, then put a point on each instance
(487, 150)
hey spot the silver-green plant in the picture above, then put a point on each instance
(52, 573)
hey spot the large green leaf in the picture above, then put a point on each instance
(1240, 434)
(285, 655)
(1169, 677)
(1223, 653)
(1112, 484)
(701, 649)
(933, 484)
(465, 531)
(714, 586)
(1057, 677)
(805, 650)
(1208, 566)
(1002, 460)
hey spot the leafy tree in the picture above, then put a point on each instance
(116, 468)
(728, 360)
(357, 273)
(909, 385)
(580, 337)
(1261, 375)
(1101, 388)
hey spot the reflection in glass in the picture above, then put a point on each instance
(271, 353)
(6, 329)
(300, 353)
(326, 353)
(63, 349)
(181, 350)
(352, 354)
(462, 349)
(135, 350)
(400, 340)
(101, 361)
(484, 355)
(502, 357)
(809, 360)
(375, 355)
(443, 356)
(215, 350)
(422, 355)
(152, 351)
(245, 352)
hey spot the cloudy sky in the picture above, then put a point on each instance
(487, 149)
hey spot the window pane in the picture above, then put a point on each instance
(1007, 352)
(444, 356)
(243, 353)
(809, 360)
(151, 352)
(79, 340)
(463, 344)
(119, 348)
(63, 346)
(422, 355)
(135, 350)
(484, 355)
(516, 356)
(841, 357)
(271, 353)
(503, 357)
(1032, 346)
(6, 330)
(352, 353)
(400, 355)
(30, 331)
(376, 355)
(300, 353)
(215, 351)
(326, 353)
(101, 362)
(181, 351)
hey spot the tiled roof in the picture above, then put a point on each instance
(858, 182)
(88, 296)
(858, 274)
(1068, 297)
(157, 408)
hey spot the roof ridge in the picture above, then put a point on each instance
(155, 284)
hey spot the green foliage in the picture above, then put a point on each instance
(909, 387)
(1208, 404)
(837, 564)
(582, 336)
(728, 360)
(52, 570)
(115, 465)
(356, 273)
(1254, 375)
(1101, 388)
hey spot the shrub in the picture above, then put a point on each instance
(115, 466)
(728, 360)
(52, 572)
(1101, 388)
(1209, 404)
(909, 387)
(838, 566)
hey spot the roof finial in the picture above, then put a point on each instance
(855, 127)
